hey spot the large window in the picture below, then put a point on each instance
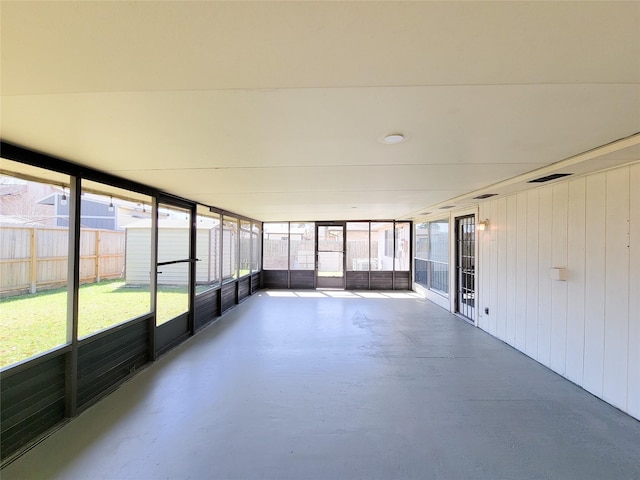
(302, 246)
(245, 248)
(275, 246)
(382, 246)
(402, 243)
(115, 257)
(229, 248)
(34, 246)
(421, 246)
(256, 244)
(432, 255)
(370, 246)
(115, 232)
(207, 250)
(173, 272)
(358, 246)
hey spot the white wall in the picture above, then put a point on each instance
(138, 256)
(432, 296)
(588, 327)
(173, 244)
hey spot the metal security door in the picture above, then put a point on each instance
(330, 248)
(175, 273)
(466, 266)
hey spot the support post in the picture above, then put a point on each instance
(73, 284)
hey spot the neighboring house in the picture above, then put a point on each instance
(35, 204)
(97, 211)
(20, 203)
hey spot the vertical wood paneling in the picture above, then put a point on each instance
(532, 274)
(483, 269)
(633, 375)
(588, 327)
(483, 275)
(546, 233)
(500, 312)
(512, 263)
(616, 344)
(594, 286)
(521, 277)
(576, 280)
(559, 288)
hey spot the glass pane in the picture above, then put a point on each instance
(275, 248)
(255, 247)
(105, 298)
(34, 244)
(303, 239)
(330, 264)
(207, 252)
(439, 256)
(439, 275)
(358, 246)
(245, 248)
(439, 241)
(229, 248)
(382, 246)
(173, 278)
(421, 274)
(403, 239)
(331, 238)
(421, 240)
(466, 266)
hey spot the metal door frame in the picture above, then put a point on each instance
(461, 284)
(174, 331)
(342, 224)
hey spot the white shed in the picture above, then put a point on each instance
(173, 244)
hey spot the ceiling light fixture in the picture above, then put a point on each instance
(394, 138)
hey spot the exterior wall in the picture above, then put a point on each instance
(586, 328)
(171, 245)
(228, 254)
(207, 255)
(138, 257)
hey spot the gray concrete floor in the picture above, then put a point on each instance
(314, 386)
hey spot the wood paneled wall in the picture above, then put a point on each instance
(586, 328)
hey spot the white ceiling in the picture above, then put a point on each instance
(275, 110)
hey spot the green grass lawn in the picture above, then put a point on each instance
(35, 323)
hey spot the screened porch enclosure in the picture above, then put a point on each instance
(366, 255)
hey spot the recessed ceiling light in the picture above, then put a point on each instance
(394, 138)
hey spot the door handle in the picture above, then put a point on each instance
(186, 260)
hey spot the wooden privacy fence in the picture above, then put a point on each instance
(33, 259)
